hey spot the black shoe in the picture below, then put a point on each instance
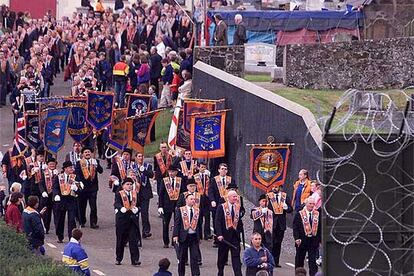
(200, 263)
(94, 226)
(136, 263)
(148, 235)
(60, 241)
(118, 263)
(47, 232)
(208, 237)
(278, 265)
(186, 263)
(166, 246)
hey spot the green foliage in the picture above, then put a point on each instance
(17, 260)
(162, 128)
(258, 77)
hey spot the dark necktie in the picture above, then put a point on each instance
(173, 183)
(232, 212)
(224, 181)
(191, 214)
(310, 218)
(278, 199)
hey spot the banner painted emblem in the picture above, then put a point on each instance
(268, 165)
(138, 104)
(55, 129)
(30, 103)
(196, 106)
(183, 137)
(207, 136)
(99, 109)
(48, 103)
(139, 130)
(32, 130)
(78, 127)
(119, 129)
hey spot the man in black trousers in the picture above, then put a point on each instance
(87, 170)
(186, 235)
(126, 220)
(228, 229)
(307, 235)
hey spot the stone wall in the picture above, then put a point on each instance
(365, 64)
(227, 58)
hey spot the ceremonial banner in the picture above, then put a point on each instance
(138, 104)
(99, 109)
(268, 165)
(29, 101)
(196, 106)
(78, 127)
(32, 130)
(183, 137)
(49, 103)
(119, 129)
(55, 129)
(19, 142)
(207, 134)
(139, 130)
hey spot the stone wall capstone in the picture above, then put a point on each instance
(366, 64)
(227, 58)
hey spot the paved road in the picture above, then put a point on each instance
(100, 244)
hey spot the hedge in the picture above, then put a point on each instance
(17, 260)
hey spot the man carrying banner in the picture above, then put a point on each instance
(65, 191)
(144, 173)
(75, 155)
(263, 222)
(46, 189)
(120, 169)
(307, 235)
(188, 165)
(202, 179)
(171, 188)
(186, 235)
(126, 202)
(278, 203)
(86, 172)
(162, 161)
(228, 229)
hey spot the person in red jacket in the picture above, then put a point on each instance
(176, 82)
(13, 214)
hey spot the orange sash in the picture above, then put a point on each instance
(186, 218)
(29, 163)
(48, 180)
(37, 175)
(88, 173)
(173, 194)
(121, 168)
(161, 164)
(125, 199)
(184, 169)
(277, 206)
(267, 221)
(310, 231)
(197, 197)
(199, 182)
(65, 186)
(227, 214)
(220, 185)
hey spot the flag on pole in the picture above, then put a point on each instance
(172, 136)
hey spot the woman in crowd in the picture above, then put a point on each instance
(13, 214)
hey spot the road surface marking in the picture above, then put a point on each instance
(100, 273)
(51, 245)
(289, 264)
(6, 145)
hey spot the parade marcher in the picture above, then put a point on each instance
(65, 191)
(33, 225)
(186, 234)
(307, 235)
(202, 179)
(35, 170)
(228, 229)
(301, 190)
(14, 169)
(263, 222)
(188, 166)
(279, 204)
(120, 169)
(126, 210)
(75, 155)
(74, 256)
(162, 161)
(46, 189)
(258, 258)
(144, 173)
(87, 170)
(171, 188)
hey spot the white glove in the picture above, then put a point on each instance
(36, 169)
(55, 171)
(57, 198)
(135, 210)
(160, 211)
(285, 207)
(44, 167)
(116, 182)
(264, 210)
(123, 210)
(44, 194)
(73, 187)
(81, 185)
(94, 162)
(213, 204)
(116, 211)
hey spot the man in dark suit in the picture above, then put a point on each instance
(120, 169)
(155, 70)
(307, 235)
(220, 31)
(126, 212)
(162, 161)
(202, 179)
(144, 173)
(87, 170)
(228, 229)
(171, 188)
(48, 177)
(279, 204)
(186, 235)
(263, 222)
(239, 37)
